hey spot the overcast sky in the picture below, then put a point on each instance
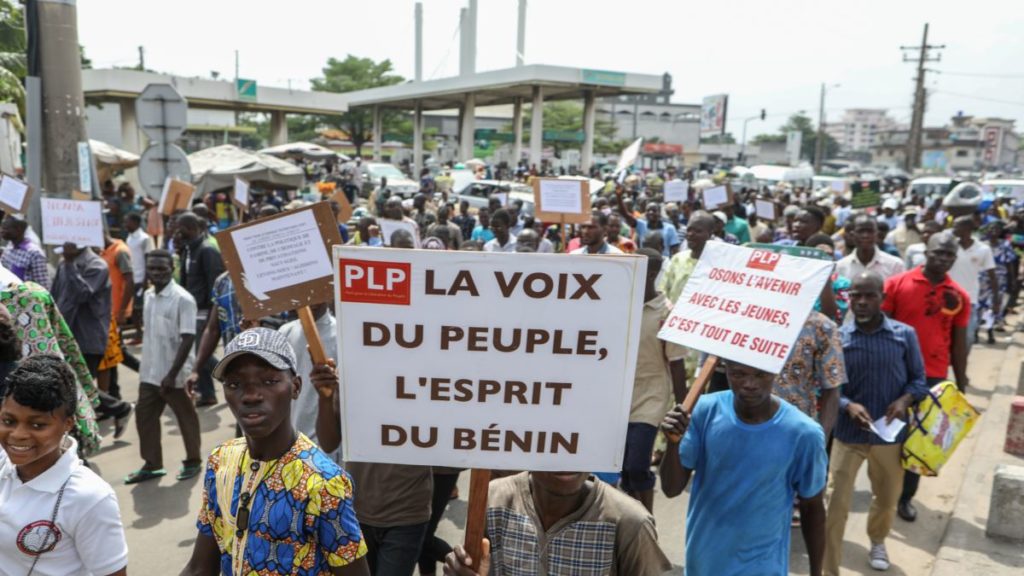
(771, 54)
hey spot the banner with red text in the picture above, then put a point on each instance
(746, 305)
(484, 360)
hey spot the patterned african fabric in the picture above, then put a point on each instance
(299, 507)
(114, 354)
(816, 364)
(42, 330)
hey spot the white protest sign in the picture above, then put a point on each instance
(839, 185)
(241, 197)
(746, 305)
(281, 253)
(76, 221)
(562, 196)
(716, 197)
(502, 198)
(677, 190)
(478, 360)
(628, 156)
(13, 194)
(765, 209)
(389, 227)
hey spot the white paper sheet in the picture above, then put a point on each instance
(12, 192)
(389, 227)
(887, 432)
(765, 209)
(715, 197)
(281, 253)
(242, 192)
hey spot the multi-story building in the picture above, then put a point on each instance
(968, 144)
(859, 128)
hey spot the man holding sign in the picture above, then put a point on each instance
(750, 452)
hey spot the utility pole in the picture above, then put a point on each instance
(819, 142)
(916, 136)
(142, 59)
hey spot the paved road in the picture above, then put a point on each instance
(160, 516)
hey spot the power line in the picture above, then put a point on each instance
(979, 74)
(969, 96)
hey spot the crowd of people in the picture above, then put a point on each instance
(915, 282)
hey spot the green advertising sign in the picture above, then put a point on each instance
(245, 89)
(604, 78)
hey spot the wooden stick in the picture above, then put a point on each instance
(696, 390)
(316, 346)
(476, 514)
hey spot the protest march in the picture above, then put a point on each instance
(368, 309)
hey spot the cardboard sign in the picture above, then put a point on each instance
(478, 360)
(715, 198)
(746, 305)
(346, 210)
(176, 196)
(14, 195)
(282, 262)
(766, 209)
(389, 227)
(677, 191)
(558, 200)
(76, 221)
(240, 195)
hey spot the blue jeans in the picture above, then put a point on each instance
(972, 325)
(636, 462)
(393, 551)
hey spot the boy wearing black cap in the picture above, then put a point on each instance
(273, 501)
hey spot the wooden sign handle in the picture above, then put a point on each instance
(476, 514)
(693, 394)
(316, 346)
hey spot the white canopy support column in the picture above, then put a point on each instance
(517, 128)
(589, 110)
(468, 128)
(278, 128)
(417, 140)
(377, 134)
(131, 138)
(537, 126)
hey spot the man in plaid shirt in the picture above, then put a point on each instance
(25, 259)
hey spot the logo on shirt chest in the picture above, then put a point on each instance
(39, 537)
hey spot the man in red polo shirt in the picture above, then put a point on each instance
(939, 310)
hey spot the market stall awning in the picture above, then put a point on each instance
(304, 150)
(216, 169)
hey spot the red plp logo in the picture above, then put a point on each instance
(376, 282)
(763, 260)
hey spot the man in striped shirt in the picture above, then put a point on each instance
(885, 375)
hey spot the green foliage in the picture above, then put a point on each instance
(726, 138)
(13, 44)
(352, 74)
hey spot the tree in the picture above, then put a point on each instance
(13, 61)
(726, 138)
(803, 124)
(352, 74)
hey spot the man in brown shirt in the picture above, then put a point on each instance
(392, 503)
(563, 523)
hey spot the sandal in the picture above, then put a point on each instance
(143, 475)
(189, 471)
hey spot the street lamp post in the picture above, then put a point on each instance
(819, 142)
(743, 143)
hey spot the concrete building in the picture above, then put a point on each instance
(969, 144)
(859, 128)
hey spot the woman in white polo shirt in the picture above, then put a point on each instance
(57, 517)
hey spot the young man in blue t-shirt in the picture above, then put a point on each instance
(750, 454)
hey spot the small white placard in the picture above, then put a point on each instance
(12, 193)
(77, 221)
(839, 185)
(241, 192)
(389, 227)
(716, 197)
(563, 196)
(676, 190)
(765, 209)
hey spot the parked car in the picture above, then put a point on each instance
(398, 182)
(477, 192)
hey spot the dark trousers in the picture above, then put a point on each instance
(148, 412)
(205, 384)
(110, 406)
(435, 549)
(911, 480)
(393, 551)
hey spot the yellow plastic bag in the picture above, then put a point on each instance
(937, 425)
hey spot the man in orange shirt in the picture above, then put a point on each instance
(118, 257)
